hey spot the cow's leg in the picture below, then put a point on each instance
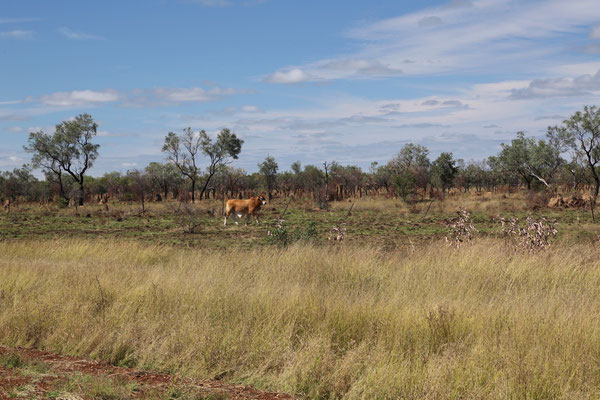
(256, 219)
(247, 218)
(237, 217)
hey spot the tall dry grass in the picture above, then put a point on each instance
(485, 202)
(342, 322)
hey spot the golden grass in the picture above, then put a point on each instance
(340, 322)
(485, 202)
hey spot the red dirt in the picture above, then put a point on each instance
(60, 367)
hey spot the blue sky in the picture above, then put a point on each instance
(351, 81)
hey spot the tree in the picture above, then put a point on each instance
(411, 167)
(69, 149)
(268, 170)
(140, 184)
(411, 156)
(164, 177)
(531, 159)
(444, 170)
(186, 159)
(18, 183)
(581, 133)
(223, 151)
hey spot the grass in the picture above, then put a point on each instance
(387, 223)
(318, 321)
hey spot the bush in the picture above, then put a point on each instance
(534, 235)
(281, 236)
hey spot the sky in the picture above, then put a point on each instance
(310, 80)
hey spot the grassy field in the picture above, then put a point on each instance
(349, 322)
(390, 312)
(383, 223)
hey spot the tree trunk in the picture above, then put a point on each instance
(81, 193)
(194, 190)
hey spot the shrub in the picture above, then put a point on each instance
(534, 235)
(462, 229)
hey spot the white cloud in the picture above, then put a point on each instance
(559, 87)
(73, 35)
(165, 96)
(17, 34)
(484, 36)
(135, 98)
(79, 98)
(294, 75)
(595, 32)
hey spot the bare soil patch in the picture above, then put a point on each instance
(31, 373)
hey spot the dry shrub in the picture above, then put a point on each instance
(337, 232)
(536, 234)
(188, 217)
(537, 200)
(462, 229)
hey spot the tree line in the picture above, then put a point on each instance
(568, 156)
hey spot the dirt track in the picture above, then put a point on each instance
(58, 369)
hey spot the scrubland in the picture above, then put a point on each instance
(318, 321)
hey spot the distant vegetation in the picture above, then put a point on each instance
(567, 158)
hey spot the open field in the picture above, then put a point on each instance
(317, 322)
(385, 223)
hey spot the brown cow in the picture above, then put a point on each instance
(247, 207)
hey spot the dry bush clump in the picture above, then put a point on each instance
(188, 217)
(537, 200)
(337, 233)
(462, 229)
(534, 235)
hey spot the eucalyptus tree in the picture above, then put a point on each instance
(165, 178)
(268, 170)
(530, 159)
(444, 170)
(411, 168)
(186, 150)
(69, 149)
(581, 133)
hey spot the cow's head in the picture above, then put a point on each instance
(262, 199)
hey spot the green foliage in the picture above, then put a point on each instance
(184, 152)
(404, 181)
(18, 183)
(444, 171)
(581, 133)
(268, 170)
(281, 236)
(530, 159)
(68, 150)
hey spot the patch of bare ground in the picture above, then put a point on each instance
(30, 373)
